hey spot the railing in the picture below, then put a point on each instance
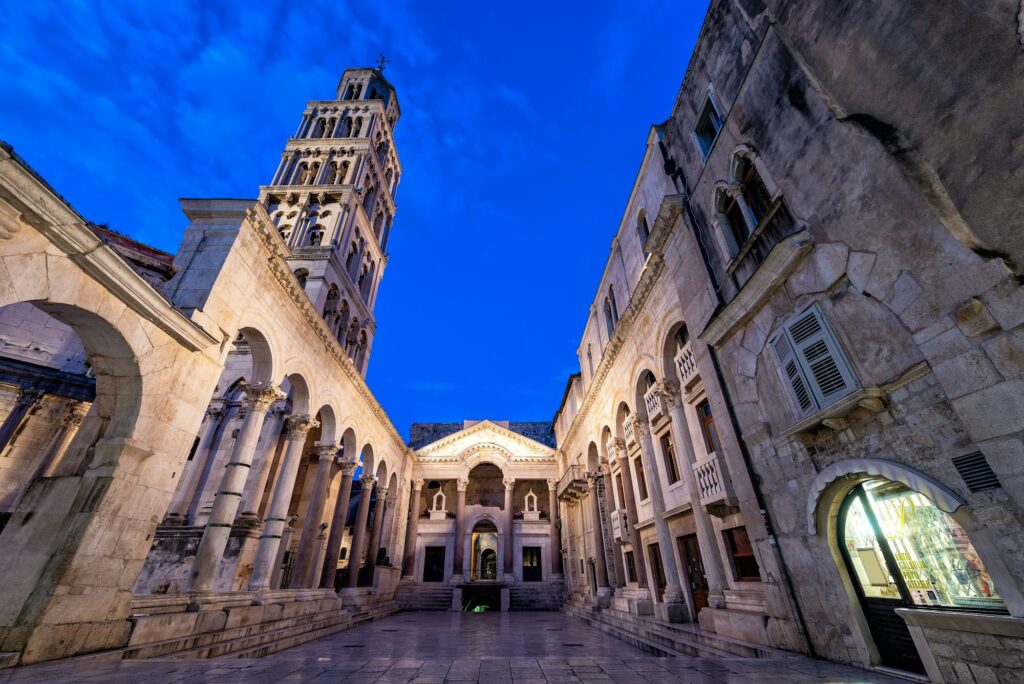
(652, 399)
(627, 429)
(620, 526)
(711, 481)
(686, 365)
(573, 483)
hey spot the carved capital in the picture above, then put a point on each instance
(296, 427)
(669, 392)
(30, 397)
(461, 483)
(734, 190)
(259, 396)
(325, 451)
(509, 482)
(641, 428)
(214, 413)
(616, 448)
(368, 480)
(348, 467)
(552, 484)
(417, 484)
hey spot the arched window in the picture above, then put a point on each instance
(608, 320)
(368, 198)
(357, 126)
(643, 231)
(590, 360)
(301, 275)
(350, 260)
(316, 235)
(614, 305)
(342, 325)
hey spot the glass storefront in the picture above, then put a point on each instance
(902, 547)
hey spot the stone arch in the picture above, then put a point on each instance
(834, 482)
(602, 444)
(593, 458)
(381, 472)
(622, 413)
(645, 379)
(348, 443)
(669, 344)
(485, 453)
(366, 454)
(263, 356)
(298, 393)
(328, 424)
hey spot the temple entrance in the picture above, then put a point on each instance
(433, 564)
(901, 551)
(532, 571)
(484, 563)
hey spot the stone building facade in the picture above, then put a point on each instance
(844, 249)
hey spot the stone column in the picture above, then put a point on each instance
(618, 448)
(409, 559)
(28, 400)
(338, 520)
(600, 562)
(177, 512)
(309, 550)
(295, 430)
(619, 576)
(58, 444)
(258, 398)
(556, 537)
(266, 449)
(673, 607)
(507, 555)
(378, 527)
(706, 537)
(359, 530)
(458, 566)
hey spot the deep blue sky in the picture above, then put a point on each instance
(522, 130)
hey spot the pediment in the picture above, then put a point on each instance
(483, 438)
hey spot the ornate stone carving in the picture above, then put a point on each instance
(616, 448)
(348, 467)
(509, 482)
(669, 391)
(296, 427)
(641, 428)
(368, 480)
(325, 451)
(461, 483)
(259, 396)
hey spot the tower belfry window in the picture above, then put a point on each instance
(709, 123)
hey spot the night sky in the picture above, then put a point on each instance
(523, 126)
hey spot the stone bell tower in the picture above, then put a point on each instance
(333, 201)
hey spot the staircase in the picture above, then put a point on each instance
(536, 596)
(424, 596)
(668, 639)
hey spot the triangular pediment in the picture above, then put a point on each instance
(482, 437)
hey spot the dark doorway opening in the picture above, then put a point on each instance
(698, 581)
(481, 599)
(531, 564)
(433, 564)
(658, 570)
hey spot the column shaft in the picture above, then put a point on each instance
(378, 527)
(618, 446)
(329, 575)
(609, 497)
(186, 490)
(309, 549)
(673, 587)
(359, 531)
(229, 495)
(264, 567)
(600, 561)
(458, 566)
(266, 449)
(556, 537)
(508, 520)
(28, 400)
(409, 557)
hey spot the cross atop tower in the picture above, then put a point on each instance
(382, 61)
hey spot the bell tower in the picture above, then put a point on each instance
(333, 201)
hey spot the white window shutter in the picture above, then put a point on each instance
(792, 374)
(822, 359)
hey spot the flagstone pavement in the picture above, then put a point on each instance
(432, 648)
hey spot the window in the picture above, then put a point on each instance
(709, 123)
(590, 360)
(619, 489)
(811, 362)
(669, 452)
(741, 555)
(643, 231)
(630, 566)
(641, 482)
(708, 428)
(608, 320)
(615, 306)
(755, 194)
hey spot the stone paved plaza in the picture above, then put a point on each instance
(426, 648)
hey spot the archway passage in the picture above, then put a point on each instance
(901, 551)
(484, 563)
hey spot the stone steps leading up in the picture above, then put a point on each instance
(424, 596)
(537, 596)
(668, 638)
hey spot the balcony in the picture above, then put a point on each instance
(713, 484)
(620, 526)
(652, 400)
(686, 365)
(627, 429)
(573, 484)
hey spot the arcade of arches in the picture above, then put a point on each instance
(791, 432)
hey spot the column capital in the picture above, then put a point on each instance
(368, 479)
(325, 451)
(29, 396)
(348, 466)
(296, 427)
(74, 415)
(382, 492)
(461, 483)
(509, 482)
(641, 428)
(616, 447)
(259, 396)
(552, 484)
(215, 411)
(669, 392)
(417, 484)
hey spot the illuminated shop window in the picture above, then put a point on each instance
(899, 546)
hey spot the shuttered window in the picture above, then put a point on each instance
(812, 363)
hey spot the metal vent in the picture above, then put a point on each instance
(976, 472)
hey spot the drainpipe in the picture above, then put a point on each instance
(679, 181)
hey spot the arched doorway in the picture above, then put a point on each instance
(484, 563)
(901, 551)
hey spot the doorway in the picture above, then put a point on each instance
(903, 552)
(433, 564)
(698, 581)
(532, 571)
(658, 570)
(488, 565)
